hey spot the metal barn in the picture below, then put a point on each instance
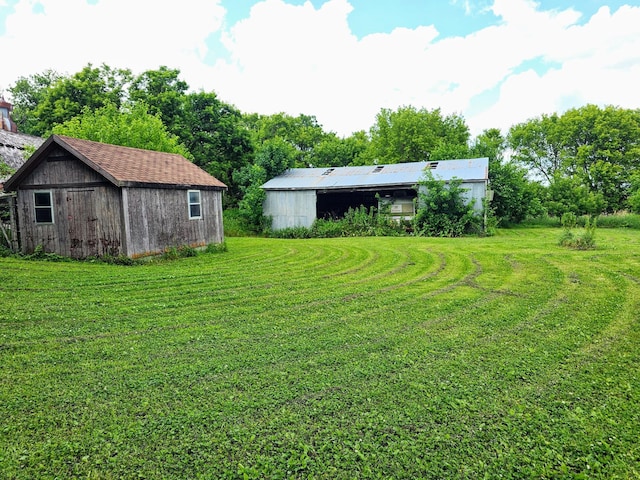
(301, 195)
(80, 198)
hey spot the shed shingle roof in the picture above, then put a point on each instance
(126, 166)
(135, 165)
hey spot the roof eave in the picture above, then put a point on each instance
(32, 162)
(181, 186)
(362, 186)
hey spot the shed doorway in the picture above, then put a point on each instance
(334, 204)
(83, 235)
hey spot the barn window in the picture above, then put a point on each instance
(195, 206)
(43, 206)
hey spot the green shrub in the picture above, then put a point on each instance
(39, 253)
(233, 224)
(323, 228)
(443, 210)
(363, 222)
(292, 232)
(114, 260)
(182, 251)
(216, 247)
(357, 222)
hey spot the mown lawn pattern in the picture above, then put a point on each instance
(503, 357)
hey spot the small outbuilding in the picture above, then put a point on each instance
(301, 195)
(80, 198)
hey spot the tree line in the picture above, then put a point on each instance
(584, 161)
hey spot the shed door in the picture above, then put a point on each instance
(83, 238)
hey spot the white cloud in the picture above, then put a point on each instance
(299, 59)
(139, 35)
(321, 68)
(598, 62)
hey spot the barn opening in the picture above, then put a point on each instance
(335, 203)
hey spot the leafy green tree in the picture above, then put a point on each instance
(538, 145)
(302, 132)
(164, 92)
(634, 193)
(570, 195)
(27, 93)
(333, 151)
(443, 210)
(128, 126)
(250, 207)
(596, 148)
(272, 158)
(214, 133)
(67, 97)
(411, 135)
(514, 196)
(602, 149)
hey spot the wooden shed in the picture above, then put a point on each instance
(80, 198)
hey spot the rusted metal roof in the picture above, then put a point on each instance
(398, 174)
(12, 147)
(124, 166)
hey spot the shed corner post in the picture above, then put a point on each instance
(13, 222)
(124, 224)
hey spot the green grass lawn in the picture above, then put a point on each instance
(501, 357)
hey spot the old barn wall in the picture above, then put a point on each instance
(290, 208)
(475, 192)
(158, 218)
(87, 214)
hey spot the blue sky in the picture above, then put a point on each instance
(496, 62)
(451, 17)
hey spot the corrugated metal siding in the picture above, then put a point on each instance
(290, 208)
(475, 193)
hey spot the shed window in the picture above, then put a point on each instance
(195, 206)
(43, 206)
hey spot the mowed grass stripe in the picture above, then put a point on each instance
(507, 356)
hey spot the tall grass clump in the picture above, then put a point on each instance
(584, 241)
(615, 220)
(235, 224)
(620, 220)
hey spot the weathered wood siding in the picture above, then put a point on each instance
(158, 218)
(87, 212)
